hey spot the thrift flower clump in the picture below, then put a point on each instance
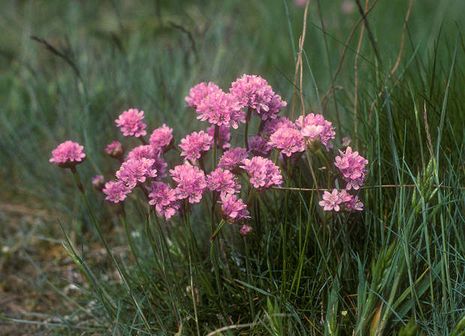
(68, 154)
(217, 166)
(131, 123)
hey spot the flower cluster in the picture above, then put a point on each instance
(316, 127)
(263, 172)
(229, 174)
(338, 199)
(254, 93)
(131, 123)
(194, 144)
(68, 154)
(352, 167)
(190, 182)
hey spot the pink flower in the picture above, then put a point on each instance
(263, 172)
(164, 199)
(223, 181)
(133, 171)
(161, 138)
(131, 123)
(221, 109)
(224, 136)
(190, 182)
(194, 144)
(254, 92)
(98, 182)
(273, 125)
(234, 209)
(232, 158)
(340, 199)
(149, 152)
(259, 146)
(288, 141)
(316, 127)
(115, 149)
(198, 92)
(352, 167)
(68, 154)
(354, 204)
(116, 191)
(333, 200)
(245, 230)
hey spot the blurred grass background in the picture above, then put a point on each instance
(116, 54)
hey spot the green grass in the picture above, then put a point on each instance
(397, 268)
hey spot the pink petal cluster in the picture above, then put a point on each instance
(223, 181)
(114, 149)
(333, 200)
(273, 125)
(316, 127)
(116, 191)
(245, 230)
(198, 92)
(288, 141)
(233, 208)
(340, 199)
(254, 92)
(224, 136)
(352, 167)
(163, 198)
(190, 182)
(131, 123)
(161, 138)
(232, 158)
(194, 144)
(152, 153)
(221, 109)
(263, 172)
(68, 154)
(259, 146)
(133, 171)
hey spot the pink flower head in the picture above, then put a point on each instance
(263, 172)
(161, 138)
(221, 109)
(288, 141)
(149, 152)
(194, 144)
(224, 136)
(245, 230)
(259, 146)
(232, 158)
(133, 171)
(223, 181)
(116, 191)
(68, 154)
(273, 125)
(198, 92)
(334, 200)
(316, 127)
(352, 167)
(164, 199)
(254, 92)
(98, 182)
(234, 209)
(115, 149)
(354, 204)
(131, 123)
(190, 182)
